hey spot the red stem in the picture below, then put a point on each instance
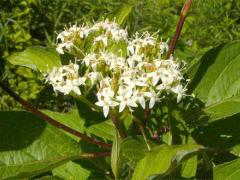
(50, 120)
(182, 18)
(96, 155)
(183, 15)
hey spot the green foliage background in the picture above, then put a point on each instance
(36, 22)
(215, 81)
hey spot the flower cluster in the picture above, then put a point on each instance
(127, 73)
(101, 32)
(66, 79)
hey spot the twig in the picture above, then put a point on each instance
(118, 125)
(174, 40)
(181, 20)
(145, 136)
(141, 127)
(146, 114)
(95, 155)
(50, 120)
(169, 106)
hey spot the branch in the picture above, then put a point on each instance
(181, 20)
(174, 40)
(50, 120)
(95, 155)
(118, 125)
(142, 129)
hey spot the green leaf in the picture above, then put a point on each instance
(216, 80)
(223, 109)
(95, 122)
(30, 147)
(133, 149)
(124, 11)
(73, 119)
(227, 171)
(236, 150)
(50, 178)
(36, 58)
(115, 156)
(221, 134)
(71, 170)
(189, 167)
(163, 159)
(104, 130)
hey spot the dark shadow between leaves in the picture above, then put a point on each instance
(90, 117)
(19, 129)
(97, 166)
(206, 61)
(220, 135)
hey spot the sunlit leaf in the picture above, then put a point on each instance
(133, 149)
(163, 159)
(115, 156)
(189, 167)
(227, 171)
(36, 58)
(216, 82)
(71, 170)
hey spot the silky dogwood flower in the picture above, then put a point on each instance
(140, 97)
(66, 79)
(125, 98)
(105, 100)
(133, 75)
(153, 96)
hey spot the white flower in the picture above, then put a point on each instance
(134, 58)
(105, 99)
(60, 48)
(118, 35)
(66, 79)
(95, 76)
(180, 91)
(163, 47)
(90, 59)
(125, 99)
(84, 32)
(148, 41)
(156, 76)
(130, 80)
(102, 38)
(139, 96)
(106, 103)
(153, 97)
(131, 48)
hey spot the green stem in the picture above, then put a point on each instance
(206, 160)
(145, 137)
(169, 106)
(142, 131)
(118, 125)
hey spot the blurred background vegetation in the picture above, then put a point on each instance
(24, 23)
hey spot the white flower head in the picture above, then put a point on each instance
(125, 98)
(131, 76)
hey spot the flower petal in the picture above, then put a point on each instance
(142, 102)
(122, 106)
(152, 102)
(105, 110)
